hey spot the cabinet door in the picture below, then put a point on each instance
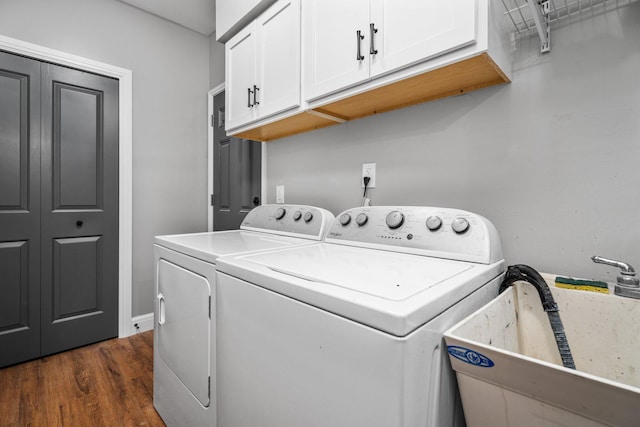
(240, 55)
(278, 58)
(331, 45)
(411, 31)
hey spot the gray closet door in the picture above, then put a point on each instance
(237, 173)
(19, 209)
(79, 280)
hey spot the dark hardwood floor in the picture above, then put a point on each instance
(105, 384)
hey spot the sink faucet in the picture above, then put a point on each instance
(627, 284)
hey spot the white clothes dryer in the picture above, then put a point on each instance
(184, 386)
(348, 332)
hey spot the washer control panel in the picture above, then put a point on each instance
(440, 232)
(292, 220)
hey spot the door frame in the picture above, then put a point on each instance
(125, 156)
(263, 158)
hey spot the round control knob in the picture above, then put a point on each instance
(460, 225)
(297, 215)
(280, 212)
(362, 219)
(345, 219)
(308, 216)
(395, 219)
(434, 223)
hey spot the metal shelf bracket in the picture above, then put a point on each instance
(528, 16)
(540, 12)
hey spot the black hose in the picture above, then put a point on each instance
(527, 274)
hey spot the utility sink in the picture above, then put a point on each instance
(509, 369)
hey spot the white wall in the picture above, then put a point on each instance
(551, 159)
(170, 81)
(232, 15)
(216, 62)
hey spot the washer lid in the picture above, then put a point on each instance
(390, 291)
(387, 275)
(209, 246)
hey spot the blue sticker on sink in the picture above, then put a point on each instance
(470, 356)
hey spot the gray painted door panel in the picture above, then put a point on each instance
(237, 173)
(79, 208)
(58, 208)
(19, 209)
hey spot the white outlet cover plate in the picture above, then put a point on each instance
(369, 169)
(280, 194)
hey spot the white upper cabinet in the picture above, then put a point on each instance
(240, 62)
(308, 64)
(263, 65)
(348, 42)
(404, 32)
(278, 58)
(335, 31)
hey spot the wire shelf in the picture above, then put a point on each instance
(522, 17)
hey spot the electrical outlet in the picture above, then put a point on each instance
(369, 169)
(280, 194)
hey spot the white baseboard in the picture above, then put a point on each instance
(141, 323)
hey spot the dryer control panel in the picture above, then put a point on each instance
(429, 231)
(290, 220)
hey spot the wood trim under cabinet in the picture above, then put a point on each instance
(459, 78)
(301, 122)
(455, 79)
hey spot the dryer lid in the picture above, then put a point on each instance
(209, 246)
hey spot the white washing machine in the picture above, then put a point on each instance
(184, 383)
(348, 332)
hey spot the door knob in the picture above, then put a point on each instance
(256, 201)
(79, 224)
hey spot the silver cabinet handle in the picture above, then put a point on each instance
(359, 37)
(255, 95)
(372, 31)
(249, 92)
